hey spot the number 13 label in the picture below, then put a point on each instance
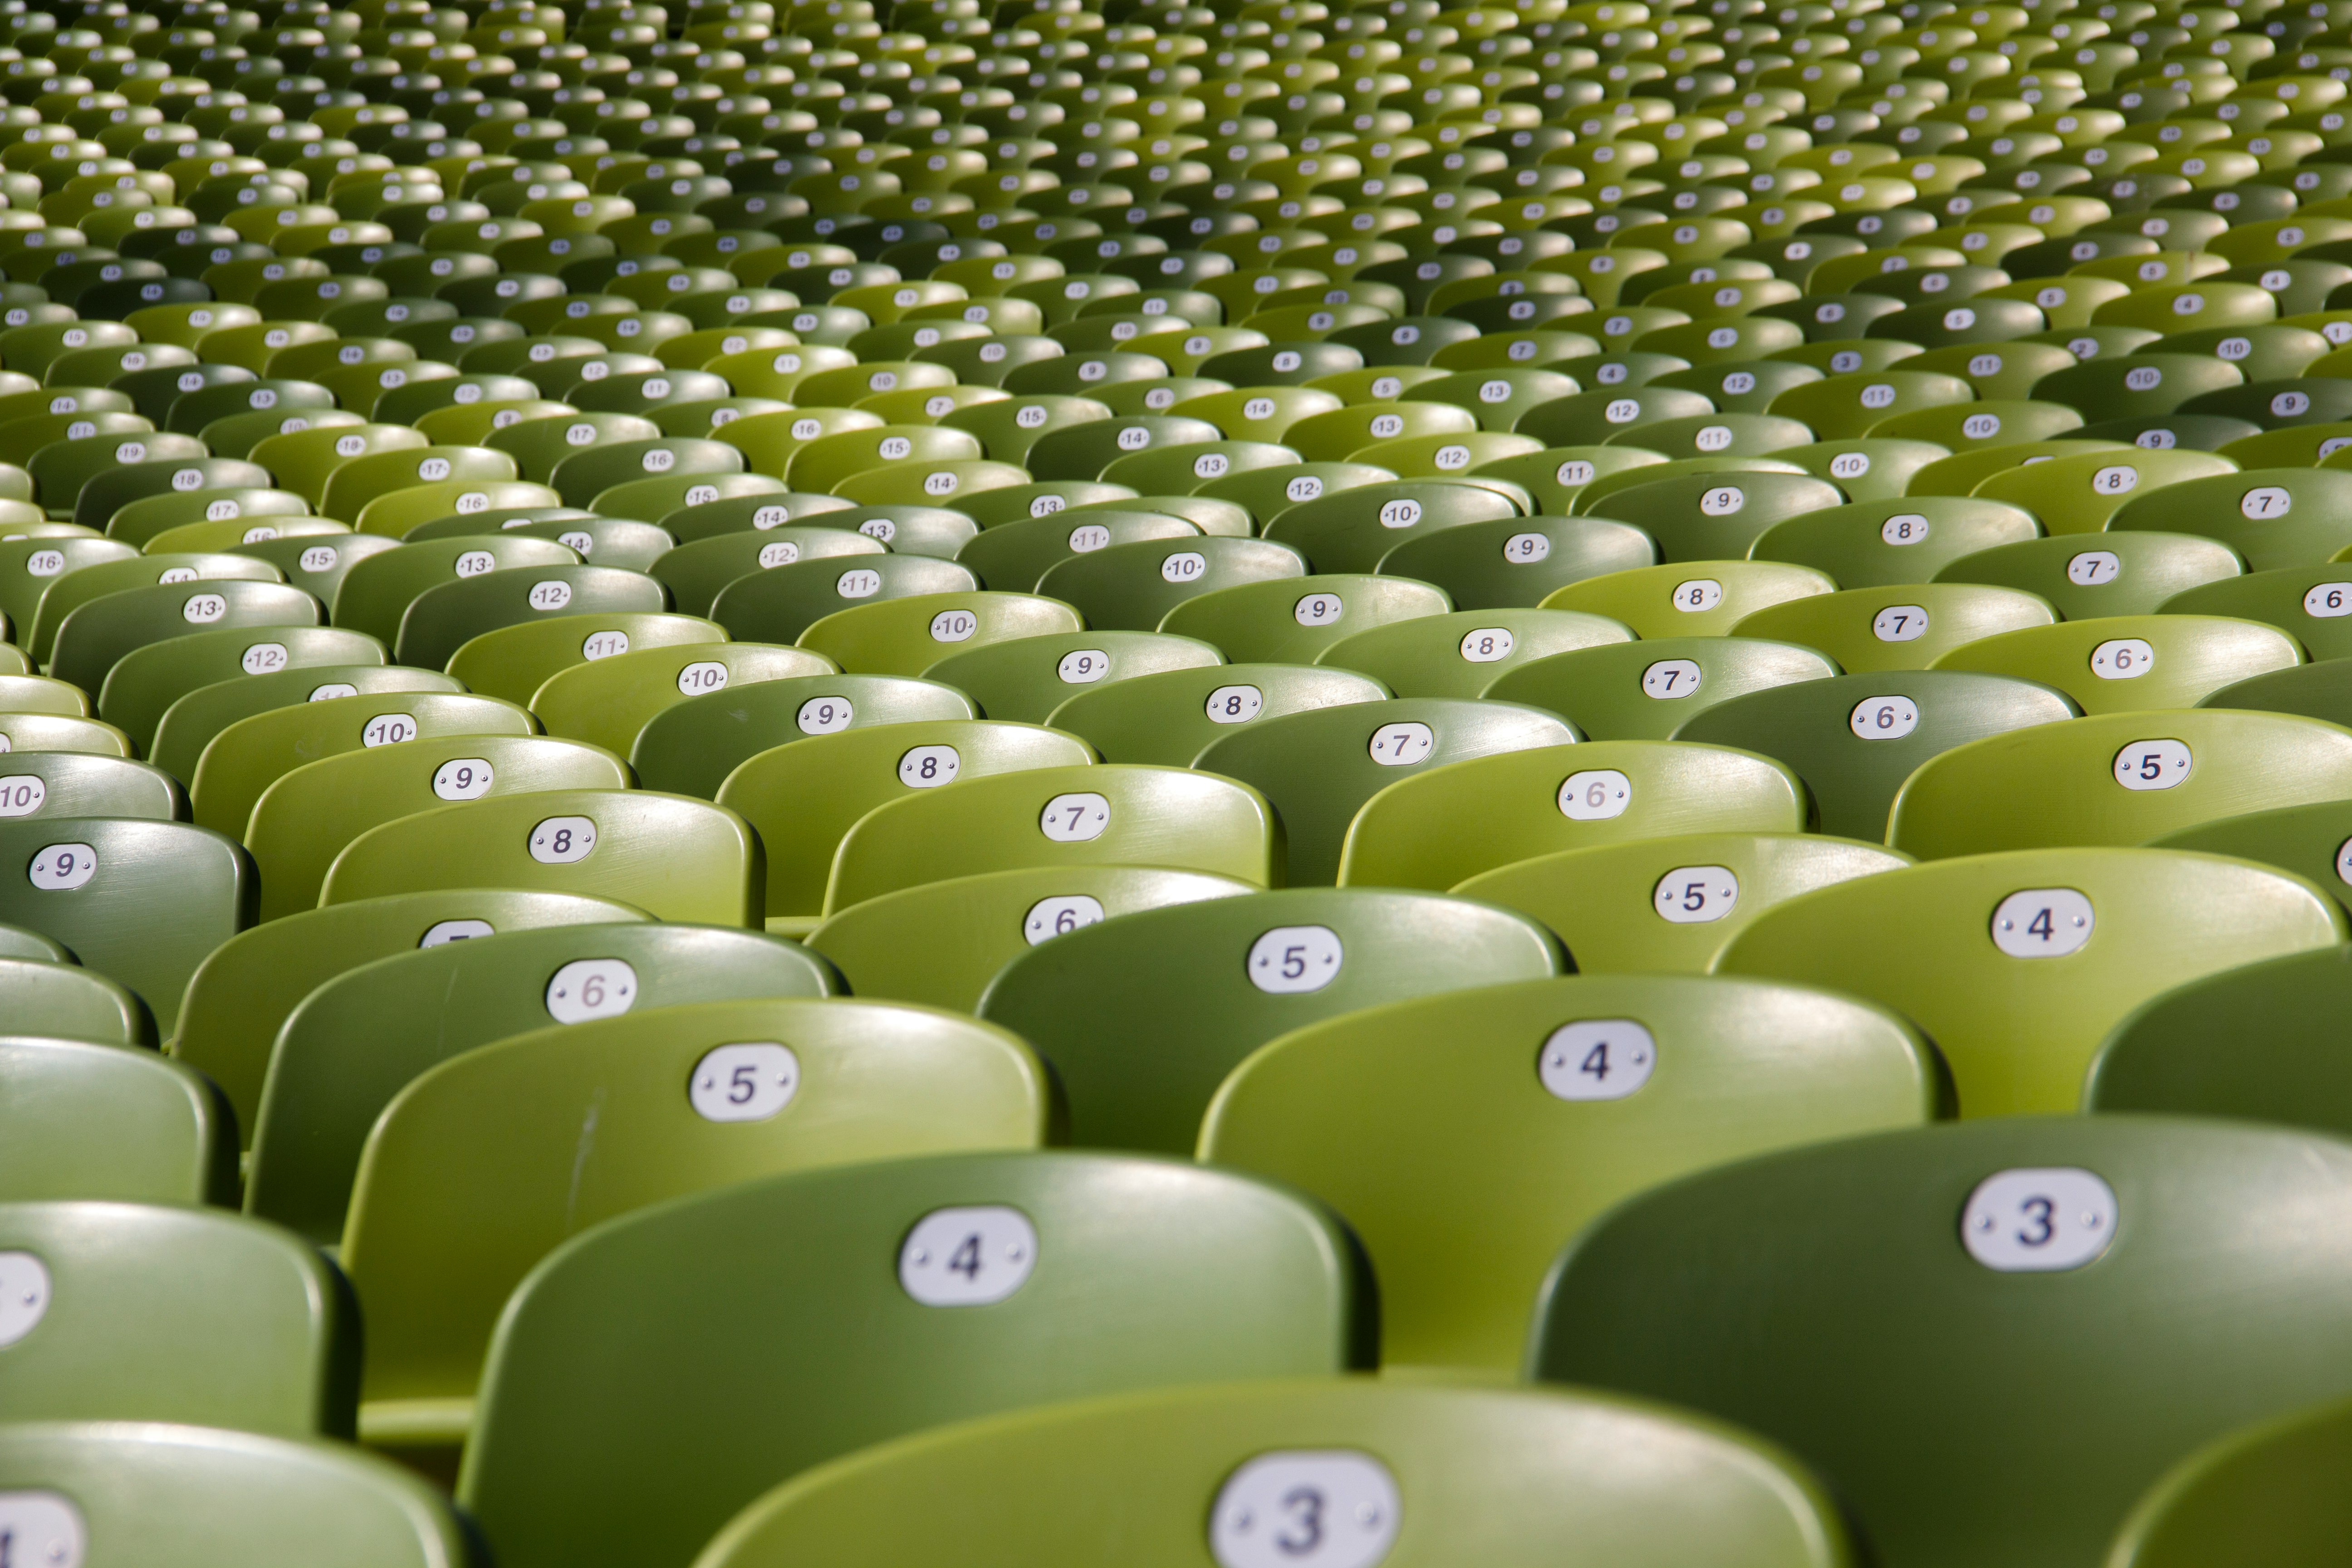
(2039, 1221)
(1331, 1510)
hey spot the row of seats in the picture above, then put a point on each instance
(1095, 628)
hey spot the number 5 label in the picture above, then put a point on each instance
(747, 1082)
(2039, 1221)
(1331, 1510)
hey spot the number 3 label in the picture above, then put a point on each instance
(2039, 1221)
(1330, 1510)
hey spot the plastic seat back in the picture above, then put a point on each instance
(462, 1189)
(93, 639)
(1689, 599)
(355, 1042)
(1462, 654)
(2125, 663)
(93, 1121)
(2264, 1496)
(906, 636)
(1170, 718)
(140, 903)
(1137, 1275)
(1135, 586)
(691, 746)
(608, 701)
(515, 662)
(2066, 1343)
(146, 684)
(1905, 627)
(1116, 813)
(1660, 1489)
(73, 783)
(1464, 1172)
(1226, 976)
(243, 760)
(1318, 767)
(377, 592)
(1875, 543)
(1854, 739)
(1292, 622)
(678, 858)
(1670, 905)
(2018, 965)
(241, 995)
(49, 996)
(1519, 560)
(1647, 691)
(440, 621)
(1026, 677)
(2272, 517)
(135, 1312)
(2079, 492)
(780, 603)
(2120, 573)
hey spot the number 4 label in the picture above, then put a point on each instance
(1597, 1058)
(968, 1256)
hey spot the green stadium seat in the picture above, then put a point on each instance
(2120, 574)
(95, 1122)
(2123, 663)
(1647, 691)
(240, 762)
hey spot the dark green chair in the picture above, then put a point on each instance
(2265, 1496)
(1854, 739)
(140, 903)
(1718, 517)
(204, 1498)
(1317, 768)
(1351, 530)
(76, 784)
(1170, 718)
(137, 1313)
(1463, 1173)
(1381, 1471)
(778, 605)
(2307, 839)
(377, 592)
(146, 684)
(86, 1122)
(192, 722)
(1462, 654)
(691, 746)
(1027, 678)
(440, 621)
(91, 640)
(1646, 691)
(2321, 690)
(356, 1041)
(1519, 561)
(597, 1442)
(1135, 586)
(2115, 574)
(1201, 986)
(239, 763)
(1910, 538)
(695, 573)
(2078, 1295)
(48, 995)
(2272, 517)
(2312, 604)
(1017, 555)
(243, 992)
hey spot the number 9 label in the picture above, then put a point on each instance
(61, 868)
(747, 1082)
(1336, 1508)
(2039, 1221)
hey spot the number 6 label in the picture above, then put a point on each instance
(2039, 1221)
(1330, 1510)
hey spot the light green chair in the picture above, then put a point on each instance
(1426, 1469)
(2256, 1043)
(375, 593)
(1647, 691)
(74, 783)
(1854, 739)
(441, 621)
(2130, 663)
(1199, 986)
(1317, 768)
(192, 722)
(1915, 1270)
(1462, 654)
(240, 763)
(1534, 802)
(204, 1498)
(2114, 575)
(1463, 1173)
(802, 798)
(514, 662)
(145, 685)
(2307, 840)
(243, 992)
(307, 818)
(50, 996)
(1904, 626)
(1690, 598)
(1116, 815)
(464, 1188)
(674, 858)
(2267, 1496)
(1909, 539)
(2270, 517)
(2116, 778)
(778, 605)
(350, 1047)
(1134, 586)
(93, 638)
(609, 703)
(940, 944)
(85, 584)
(138, 902)
(1292, 621)
(692, 745)
(140, 1312)
(2018, 965)
(86, 1121)
(906, 636)
(1517, 562)
(1136, 1274)
(2080, 493)
(1027, 678)
(59, 732)
(1170, 718)
(1670, 905)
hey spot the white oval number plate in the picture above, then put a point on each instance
(561, 840)
(40, 1530)
(1329, 1509)
(1672, 678)
(1401, 746)
(1698, 595)
(589, 988)
(1900, 622)
(24, 1295)
(1235, 704)
(1883, 717)
(1073, 818)
(2122, 658)
(1693, 895)
(2043, 922)
(1050, 918)
(2328, 601)
(2030, 1221)
(21, 794)
(1597, 1058)
(2153, 764)
(462, 778)
(1289, 959)
(1488, 644)
(928, 767)
(824, 716)
(1596, 795)
(968, 1256)
(747, 1082)
(61, 868)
